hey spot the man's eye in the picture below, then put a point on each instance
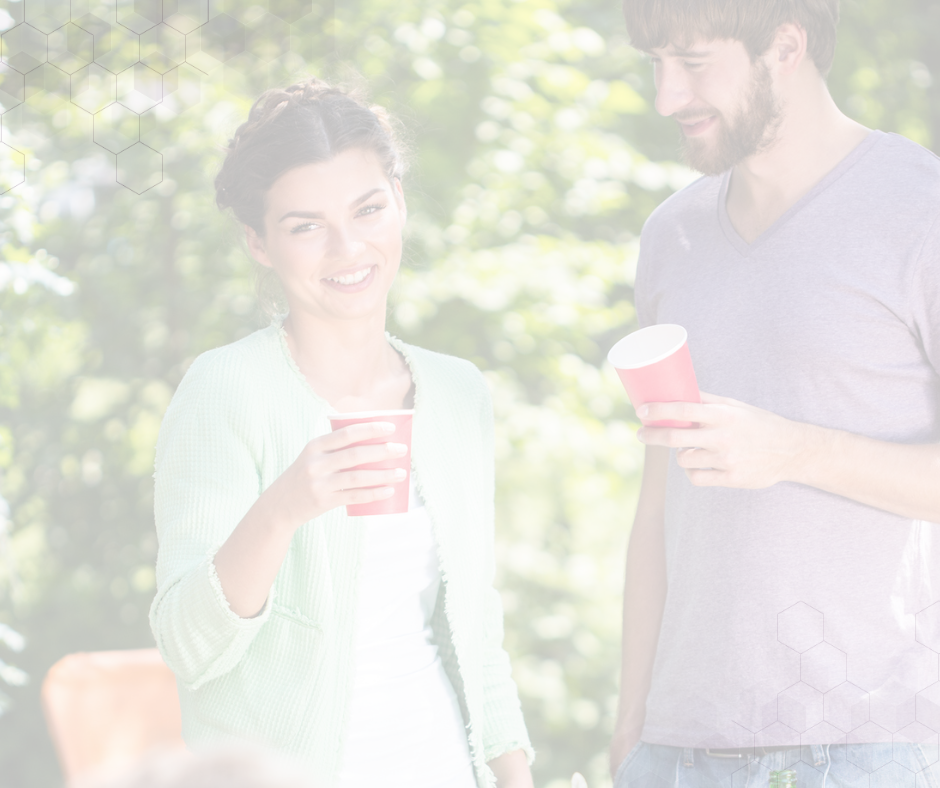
(693, 65)
(300, 228)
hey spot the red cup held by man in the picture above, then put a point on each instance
(402, 419)
(654, 365)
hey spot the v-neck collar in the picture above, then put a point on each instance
(745, 248)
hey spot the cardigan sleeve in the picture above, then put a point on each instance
(504, 727)
(206, 479)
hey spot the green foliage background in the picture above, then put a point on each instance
(536, 158)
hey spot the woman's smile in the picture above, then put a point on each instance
(351, 282)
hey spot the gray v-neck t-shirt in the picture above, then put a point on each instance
(793, 615)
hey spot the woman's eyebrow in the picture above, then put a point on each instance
(319, 214)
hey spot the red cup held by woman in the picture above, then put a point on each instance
(402, 419)
(654, 365)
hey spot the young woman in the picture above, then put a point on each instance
(371, 647)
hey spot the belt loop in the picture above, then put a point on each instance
(819, 754)
(688, 757)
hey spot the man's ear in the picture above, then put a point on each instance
(256, 246)
(788, 51)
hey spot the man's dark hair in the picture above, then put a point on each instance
(657, 23)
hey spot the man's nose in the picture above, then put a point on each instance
(672, 89)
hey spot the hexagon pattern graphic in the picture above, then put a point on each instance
(114, 63)
(71, 48)
(12, 168)
(139, 168)
(46, 15)
(116, 128)
(800, 627)
(822, 667)
(12, 87)
(139, 88)
(93, 88)
(162, 48)
(927, 627)
(825, 706)
(24, 48)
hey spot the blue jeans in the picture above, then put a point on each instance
(817, 766)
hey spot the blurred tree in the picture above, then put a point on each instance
(537, 157)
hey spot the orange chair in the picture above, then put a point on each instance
(105, 709)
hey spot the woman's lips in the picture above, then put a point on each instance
(351, 288)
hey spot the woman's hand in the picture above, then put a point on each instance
(322, 476)
(320, 479)
(511, 770)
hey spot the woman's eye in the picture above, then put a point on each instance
(368, 209)
(300, 228)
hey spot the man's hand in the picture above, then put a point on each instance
(735, 445)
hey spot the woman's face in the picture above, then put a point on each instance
(333, 235)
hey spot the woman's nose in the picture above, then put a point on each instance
(345, 244)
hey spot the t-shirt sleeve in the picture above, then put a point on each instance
(642, 296)
(926, 296)
(206, 480)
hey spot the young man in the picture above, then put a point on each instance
(782, 597)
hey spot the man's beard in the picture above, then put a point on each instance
(752, 130)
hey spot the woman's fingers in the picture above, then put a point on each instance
(354, 433)
(351, 480)
(365, 495)
(362, 455)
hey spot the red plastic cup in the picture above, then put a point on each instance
(402, 419)
(654, 365)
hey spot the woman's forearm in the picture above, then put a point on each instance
(249, 560)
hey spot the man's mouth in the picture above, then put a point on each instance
(696, 127)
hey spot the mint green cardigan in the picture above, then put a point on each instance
(240, 417)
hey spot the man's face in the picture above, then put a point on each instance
(726, 105)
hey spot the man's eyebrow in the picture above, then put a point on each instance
(319, 214)
(690, 52)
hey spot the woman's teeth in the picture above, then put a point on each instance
(351, 279)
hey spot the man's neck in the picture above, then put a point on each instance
(812, 139)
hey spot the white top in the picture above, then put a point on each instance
(405, 725)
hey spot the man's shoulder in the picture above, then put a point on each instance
(697, 201)
(905, 171)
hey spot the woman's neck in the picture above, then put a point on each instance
(350, 363)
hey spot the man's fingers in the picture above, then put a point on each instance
(714, 399)
(672, 437)
(675, 411)
(697, 459)
(707, 478)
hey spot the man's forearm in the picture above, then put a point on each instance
(899, 478)
(740, 446)
(643, 601)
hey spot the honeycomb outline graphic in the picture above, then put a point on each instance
(133, 62)
(841, 712)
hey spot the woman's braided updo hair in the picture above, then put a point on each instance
(305, 123)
